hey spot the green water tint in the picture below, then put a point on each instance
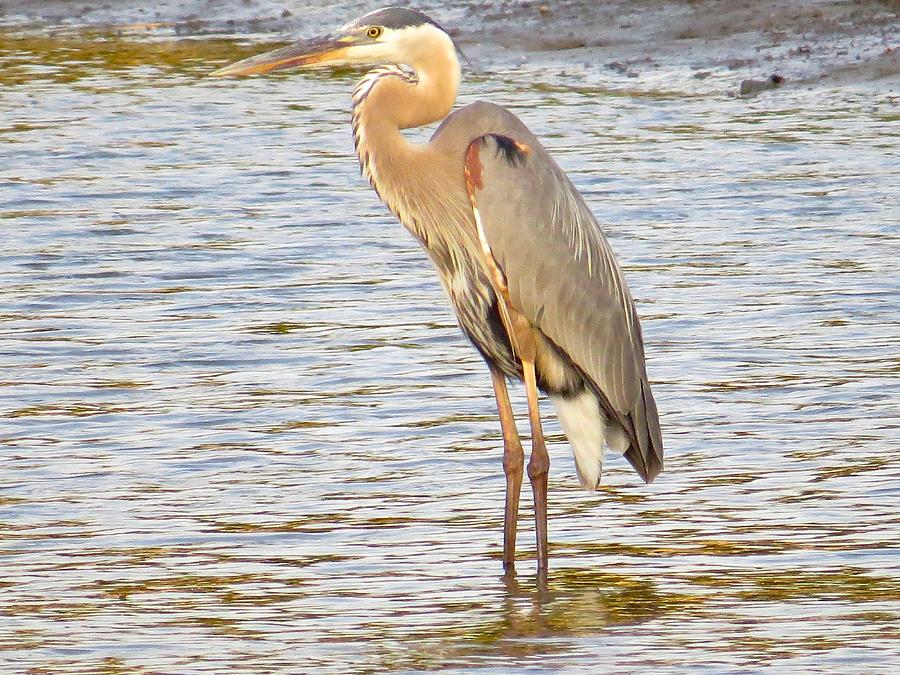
(586, 603)
(70, 56)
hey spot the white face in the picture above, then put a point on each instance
(378, 45)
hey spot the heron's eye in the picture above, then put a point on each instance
(375, 32)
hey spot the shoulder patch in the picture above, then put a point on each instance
(513, 152)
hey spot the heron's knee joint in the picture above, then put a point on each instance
(513, 462)
(538, 469)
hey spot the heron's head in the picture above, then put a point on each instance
(395, 35)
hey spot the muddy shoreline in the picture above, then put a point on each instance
(800, 41)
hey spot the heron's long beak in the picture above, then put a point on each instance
(320, 50)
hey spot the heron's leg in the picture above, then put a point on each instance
(538, 465)
(513, 461)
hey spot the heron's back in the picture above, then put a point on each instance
(561, 272)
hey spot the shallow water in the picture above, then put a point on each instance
(240, 428)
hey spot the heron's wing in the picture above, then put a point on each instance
(562, 275)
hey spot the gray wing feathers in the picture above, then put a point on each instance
(562, 275)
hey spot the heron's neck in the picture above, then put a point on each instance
(389, 99)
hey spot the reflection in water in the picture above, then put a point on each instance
(240, 428)
(537, 619)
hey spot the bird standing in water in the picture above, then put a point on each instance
(527, 269)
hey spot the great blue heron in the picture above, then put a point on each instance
(527, 269)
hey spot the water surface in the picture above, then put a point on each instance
(240, 429)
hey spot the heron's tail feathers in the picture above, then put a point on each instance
(589, 433)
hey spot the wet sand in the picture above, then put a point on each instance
(801, 41)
